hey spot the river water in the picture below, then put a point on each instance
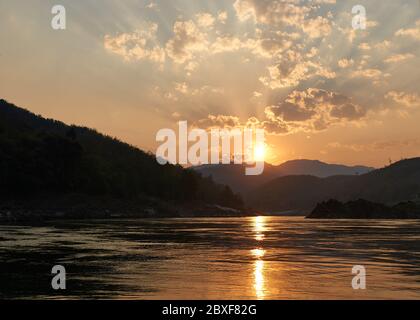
(212, 258)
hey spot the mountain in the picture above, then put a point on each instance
(234, 175)
(395, 183)
(319, 169)
(45, 162)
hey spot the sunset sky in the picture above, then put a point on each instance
(297, 68)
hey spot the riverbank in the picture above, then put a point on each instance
(80, 207)
(363, 209)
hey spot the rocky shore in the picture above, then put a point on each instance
(363, 209)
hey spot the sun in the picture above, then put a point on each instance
(259, 152)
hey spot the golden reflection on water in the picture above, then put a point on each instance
(259, 279)
(258, 254)
(117, 257)
(259, 228)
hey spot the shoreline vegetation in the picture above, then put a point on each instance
(363, 209)
(50, 169)
(36, 211)
(81, 207)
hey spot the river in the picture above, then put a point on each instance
(212, 258)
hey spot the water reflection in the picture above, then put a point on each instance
(258, 254)
(259, 279)
(259, 228)
(212, 258)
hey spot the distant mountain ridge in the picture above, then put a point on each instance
(234, 175)
(396, 183)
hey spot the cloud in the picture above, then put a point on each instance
(185, 93)
(364, 46)
(345, 63)
(372, 24)
(181, 87)
(151, 5)
(369, 73)
(190, 67)
(188, 39)
(399, 57)
(411, 32)
(293, 68)
(222, 17)
(286, 44)
(277, 13)
(350, 33)
(275, 127)
(403, 98)
(226, 44)
(176, 115)
(317, 27)
(197, 37)
(268, 47)
(313, 110)
(205, 20)
(323, 1)
(280, 13)
(310, 110)
(138, 45)
(219, 121)
(271, 47)
(383, 45)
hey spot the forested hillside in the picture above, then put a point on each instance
(41, 157)
(395, 183)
